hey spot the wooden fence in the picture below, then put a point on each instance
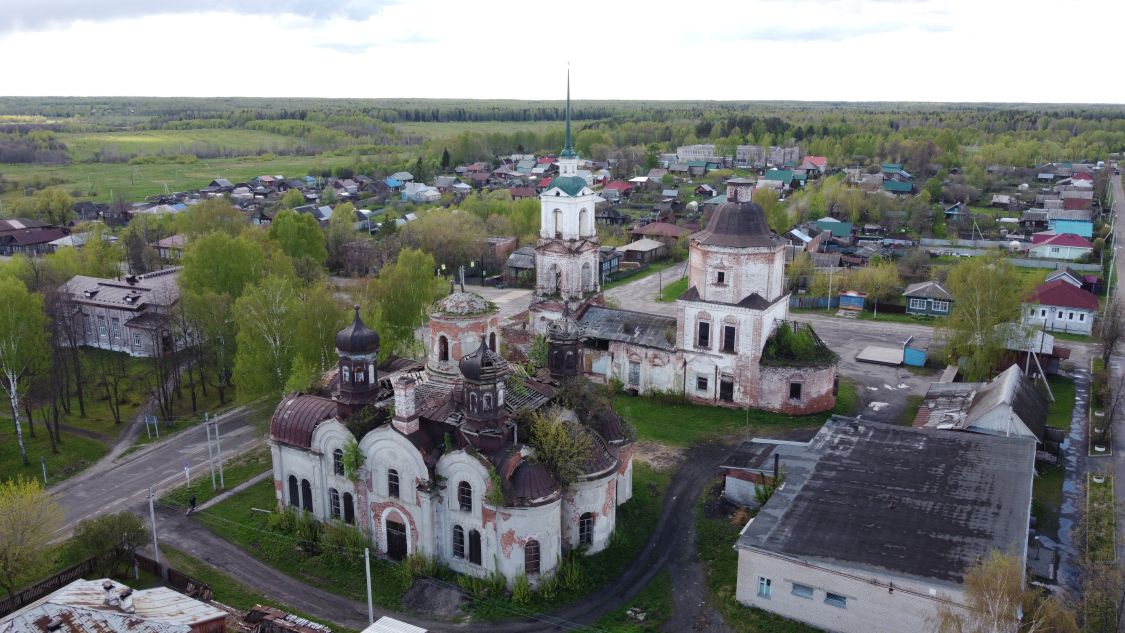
(176, 579)
(46, 586)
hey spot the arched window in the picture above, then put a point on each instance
(349, 508)
(334, 502)
(486, 402)
(294, 492)
(443, 348)
(492, 341)
(392, 483)
(531, 558)
(472, 403)
(474, 547)
(345, 374)
(558, 219)
(465, 496)
(338, 462)
(458, 542)
(570, 360)
(586, 529)
(360, 374)
(306, 496)
(583, 222)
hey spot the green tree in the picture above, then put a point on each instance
(452, 237)
(561, 445)
(987, 293)
(213, 214)
(211, 317)
(397, 299)
(800, 269)
(777, 216)
(223, 264)
(267, 317)
(880, 281)
(320, 318)
(100, 256)
(24, 348)
(111, 539)
(299, 235)
(292, 199)
(445, 159)
(29, 518)
(340, 231)
(997, 601)
(53, 206)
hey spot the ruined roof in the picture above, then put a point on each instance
(297, 416)
(529, 483)
(738, 225)
(460, 304)
(1008, 405)
(639, 328)
(886, 499)
(81, 607)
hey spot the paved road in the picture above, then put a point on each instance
(1116, 463)
(121, 483)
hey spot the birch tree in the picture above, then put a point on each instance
(267, 319)
(23, 346)
(29, 518)
(987, 292)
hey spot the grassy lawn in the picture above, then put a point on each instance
(1100, 535)
(715, 536)
(226, 590)
(681, 424)
(673, 290)
(75, 453)
(134, 182)
(83, 145)
(647, 272)
(906, 418)
(234, 520)
(1047, 498)
(655, 600)
(1061, 411)
(235, 471)
(1071, 336)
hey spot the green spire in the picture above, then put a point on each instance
(568, 148)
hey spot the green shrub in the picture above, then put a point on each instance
(570, 573)
(521, 591)
(342, 545)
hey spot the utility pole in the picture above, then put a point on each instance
(367, 568)
(210, 455)
(152, 517)
(219, 454)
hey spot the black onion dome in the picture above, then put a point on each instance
(357, 338)
(482, 365)
(737, 224)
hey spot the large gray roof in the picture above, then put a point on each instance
(886, 499)
(649, 330)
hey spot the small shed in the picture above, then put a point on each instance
(852, 300)
(643, 251)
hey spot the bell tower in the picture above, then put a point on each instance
(566, 257)
(358, 348)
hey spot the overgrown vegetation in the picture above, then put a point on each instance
(788, 347)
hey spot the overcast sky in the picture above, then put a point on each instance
(886, 50)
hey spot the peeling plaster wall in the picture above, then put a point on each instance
(817, 389)
(599, 497)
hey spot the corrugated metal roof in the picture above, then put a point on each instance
(298, 416)
(391, 625)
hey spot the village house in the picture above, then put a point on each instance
(1059, 306)
(21, 236)
(131, 315)
(171, 247)
(1066, 246)
(838, 546)
(928, 298)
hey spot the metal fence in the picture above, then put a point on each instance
(46, 586)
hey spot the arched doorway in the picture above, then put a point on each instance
(349, 508)
(587, 277)
(443, 348)
(553, 282)
(474, 547)
(397, 540)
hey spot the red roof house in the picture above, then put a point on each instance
(1063, 294)
(1081, 175)
(1078, 204)
(622, 186)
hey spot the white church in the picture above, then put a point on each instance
(723, 347)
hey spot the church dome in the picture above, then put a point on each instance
(737, 224)
(483, 365)
(357, 338)
(460, 304)
(532, 482)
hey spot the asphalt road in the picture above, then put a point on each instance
(1116, 462)
(122, 483)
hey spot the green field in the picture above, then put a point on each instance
(82, 146)
(103, 182)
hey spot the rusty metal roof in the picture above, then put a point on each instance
(81, 607)
(297, 416)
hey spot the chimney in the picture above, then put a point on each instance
(406, 414)
(55, 624)
(110, 598)
(126, 598)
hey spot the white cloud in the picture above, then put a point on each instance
(924, 50)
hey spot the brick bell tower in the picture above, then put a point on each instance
(358, 348)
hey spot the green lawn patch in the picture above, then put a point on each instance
(1060, 413)
(75, 454)
(235, 471)
(655, 601)
(1047, 499)
(847, 398)
(715, 538)
(1100, 521)
(669, 420)
(673, 290)
(227, 590)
